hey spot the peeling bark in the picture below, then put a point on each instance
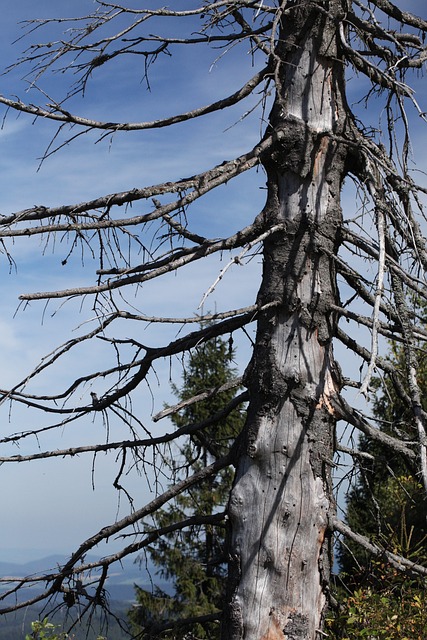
(282, 501)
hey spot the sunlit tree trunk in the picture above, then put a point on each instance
(280, 552)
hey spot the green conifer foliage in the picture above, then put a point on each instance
(387, 502)
(193, 558)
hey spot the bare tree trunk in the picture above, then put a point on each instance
(282, 501)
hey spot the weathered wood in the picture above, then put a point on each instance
(282, 500)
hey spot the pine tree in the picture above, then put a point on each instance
(387, 502)
(388, 505)
(193, 558)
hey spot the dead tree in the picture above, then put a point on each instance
(316, 289)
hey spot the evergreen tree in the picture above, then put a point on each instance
(193, 557)
(387, 502)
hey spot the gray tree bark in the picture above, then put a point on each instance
(281, 503)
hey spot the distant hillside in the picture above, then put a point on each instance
(120, 584)
(15, 626)
(120, 591)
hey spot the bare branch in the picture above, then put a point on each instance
(57, 579)
(124, 444)
(348, 413)
(398, 562)
(59, 114)
(205, 395)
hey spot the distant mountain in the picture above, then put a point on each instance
(21, 569)
(120, 584)
(15, 626)
(119, 587)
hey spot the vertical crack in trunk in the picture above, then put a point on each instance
(280, 545)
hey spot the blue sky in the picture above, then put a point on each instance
(50, 506)
(41, 500)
